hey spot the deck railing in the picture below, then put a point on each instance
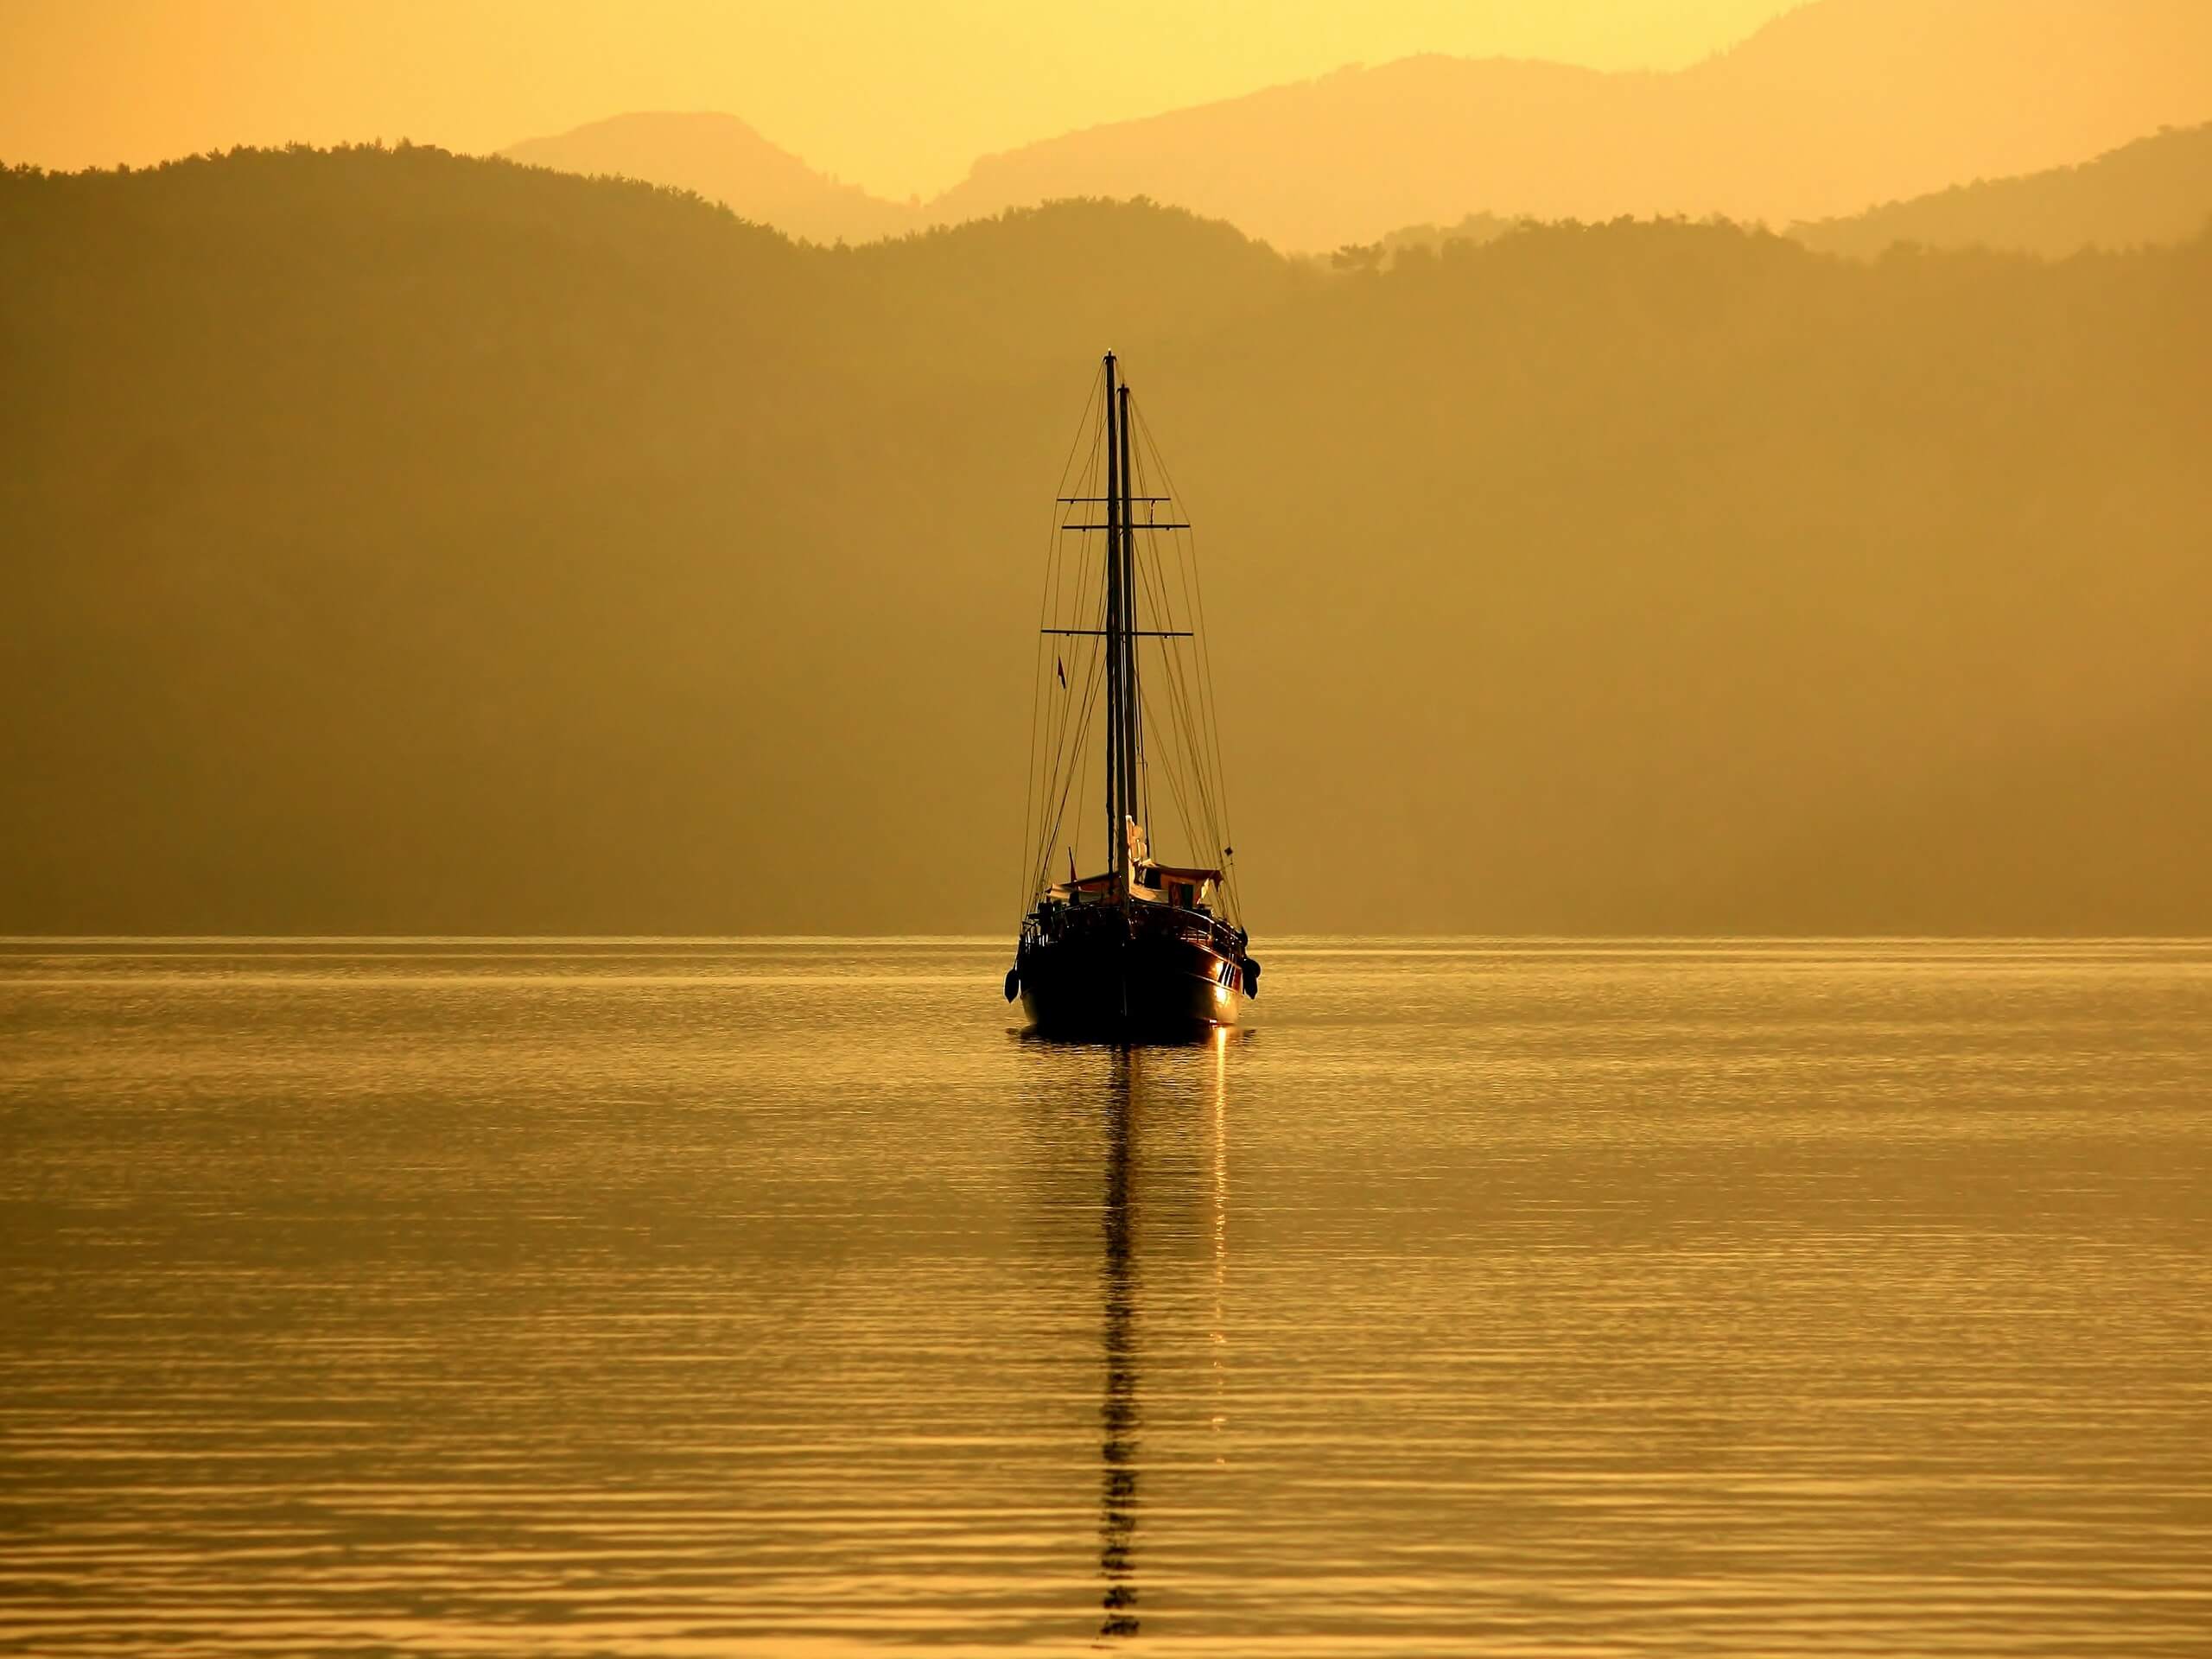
(1154, 921)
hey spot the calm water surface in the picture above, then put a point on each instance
(775, 1296)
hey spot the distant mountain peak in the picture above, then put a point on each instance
(725, 159)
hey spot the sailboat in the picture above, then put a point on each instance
(1144, 950)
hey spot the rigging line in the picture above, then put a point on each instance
(1152, 570)
(1075, 756)
(1062, 754)
(1040, 874)
(1049, 823)
(1065, 593)
(1034, 804)
(1149, 575)
(1090, 471)
(1184, 775)
(1031, 809)
(1171, 771)
(1073, 759)
(1200, 821)
(1069, 764)
(1182, 807)
(1189, 820)
(1203, 813)
(1184, 783)
(1185, 562)
(1157, 574)
(1179, 705)
(1169, 747)
(1136, 715)
(1205, 660)
(1136, 570)
(1075, 770)
(1146, 556)
(1187, 545)
(1058, 574)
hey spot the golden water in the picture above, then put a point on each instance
(699, 1298)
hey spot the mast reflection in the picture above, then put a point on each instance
(1120, 1415)
(1154, 1169)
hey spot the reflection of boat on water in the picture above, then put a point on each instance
(1146, 948)
(1118, 1415)
(1122, 1293)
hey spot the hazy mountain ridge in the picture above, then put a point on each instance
(2156, 191)
(1824, 113)
(722, 159)
(406, 542)
(1828, 110)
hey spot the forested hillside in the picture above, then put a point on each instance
(2155, 191)
(400, 541)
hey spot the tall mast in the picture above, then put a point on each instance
(1117, 633)
(1128, 557)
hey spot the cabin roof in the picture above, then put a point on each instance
(1167, 872)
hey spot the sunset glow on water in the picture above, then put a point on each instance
(652, 1297)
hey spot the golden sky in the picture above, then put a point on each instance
(898, 95)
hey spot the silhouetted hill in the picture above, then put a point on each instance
(1827, 110)
(719, 158)
(402, 542)
(2157, 190)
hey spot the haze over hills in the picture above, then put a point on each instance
(2155, 191)
(1826, 111)
(723, 160)
(410, 543)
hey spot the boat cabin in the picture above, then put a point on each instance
(1149, 883)
(1166, 884)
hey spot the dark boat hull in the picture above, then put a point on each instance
(1106, 985)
